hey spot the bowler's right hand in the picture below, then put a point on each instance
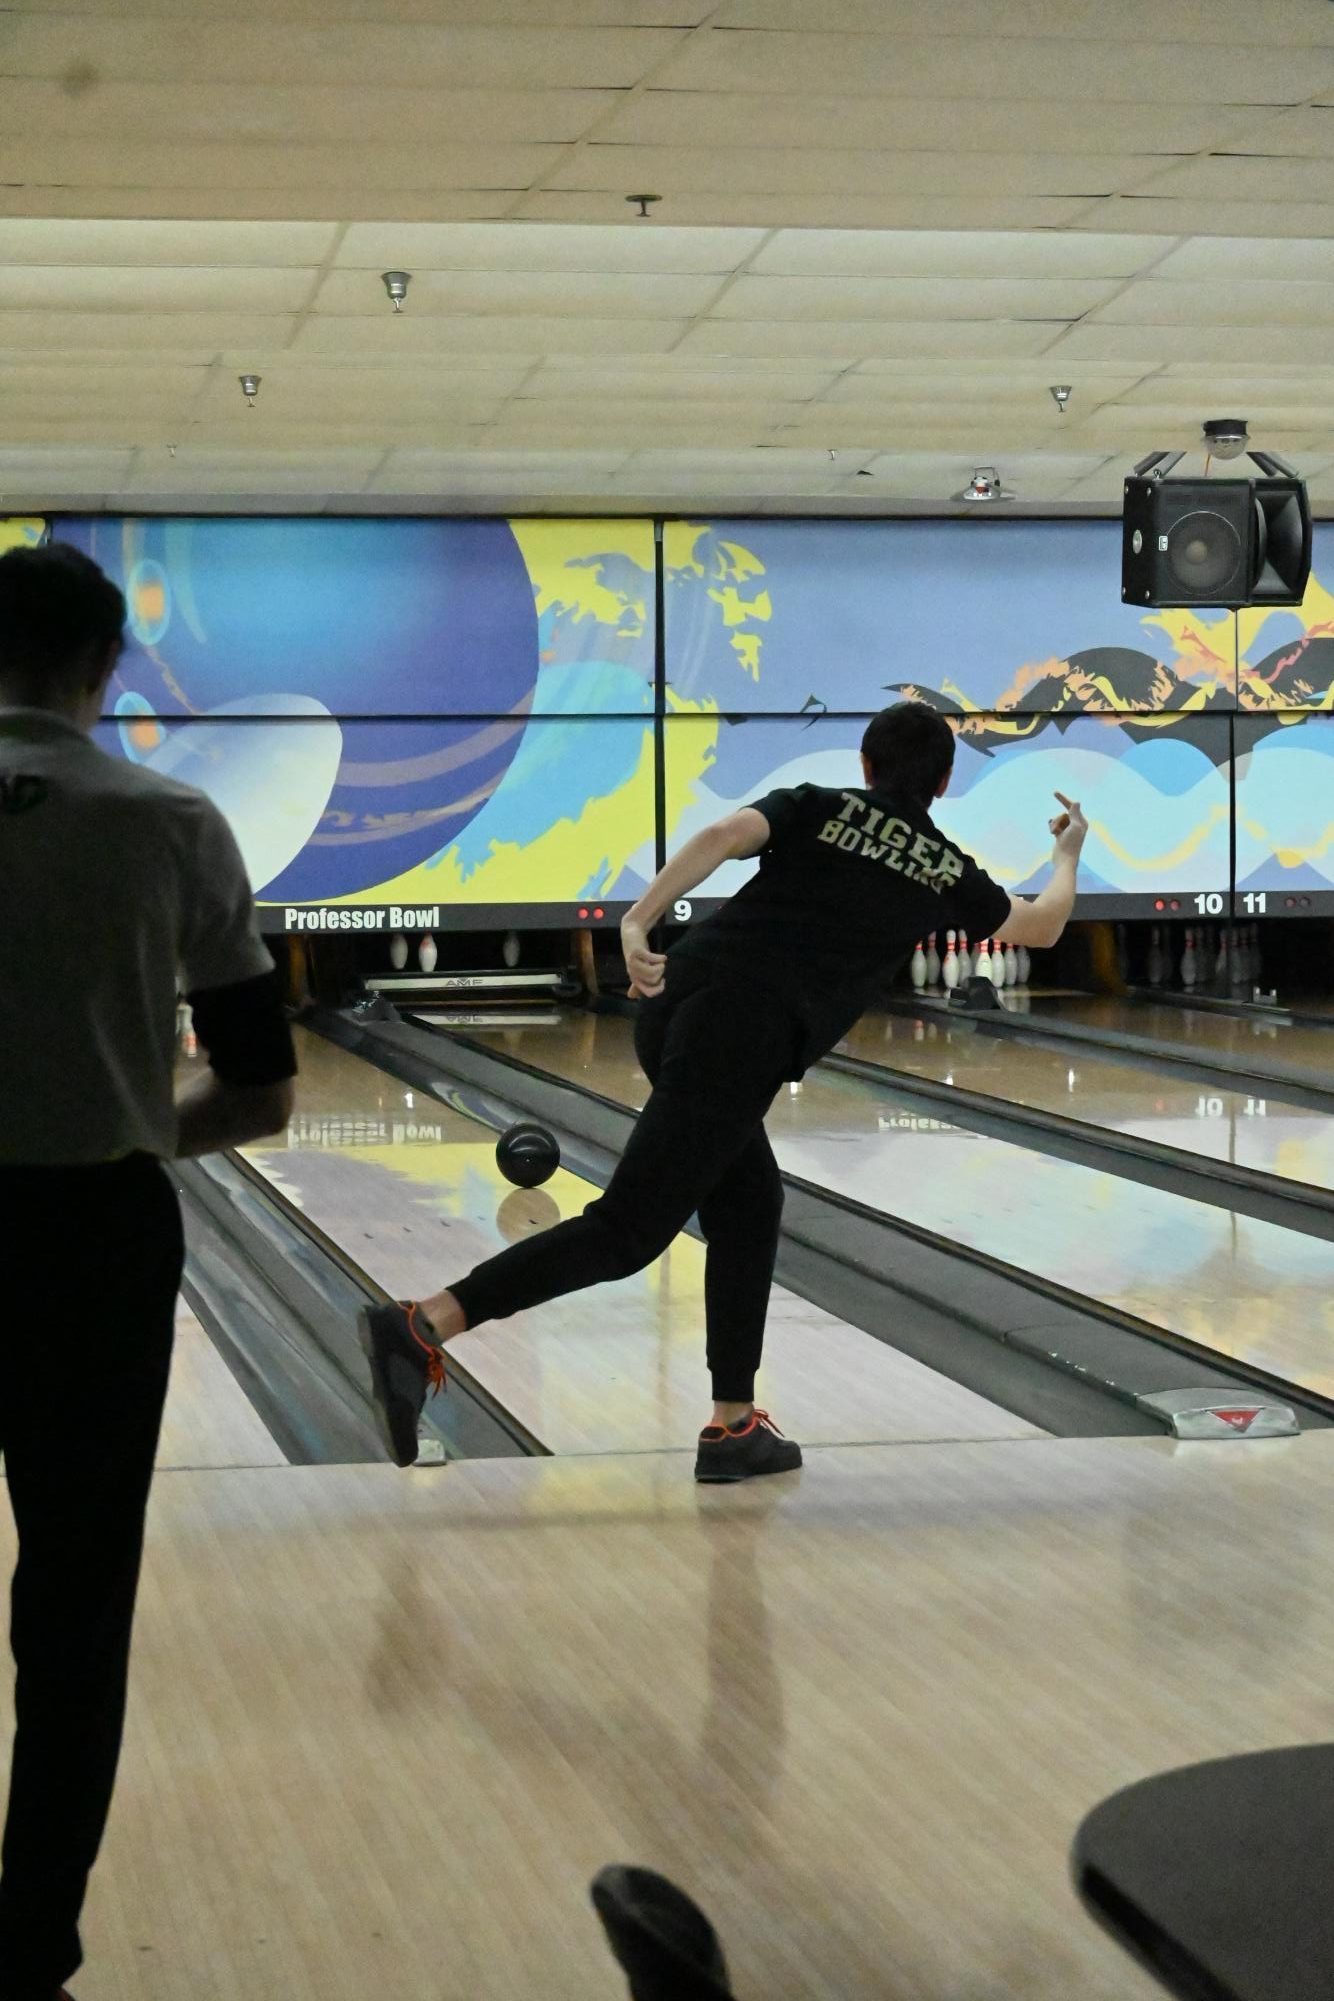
(647, 969)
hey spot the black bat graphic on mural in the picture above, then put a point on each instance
(1298, 676)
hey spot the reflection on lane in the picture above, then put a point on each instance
(1263, 1133)
(411, 1189)
(1249, 1289)
(1195, 1032)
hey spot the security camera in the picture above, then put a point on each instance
(1225, 437)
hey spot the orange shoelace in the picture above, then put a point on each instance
(435, 1360)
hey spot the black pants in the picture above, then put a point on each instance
(91, 1268)
(715, 1053)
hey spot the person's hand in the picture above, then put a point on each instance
(1069, 828)
(647, 969)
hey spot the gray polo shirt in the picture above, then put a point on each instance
(114, 883)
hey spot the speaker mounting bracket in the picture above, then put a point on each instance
(1159, 464)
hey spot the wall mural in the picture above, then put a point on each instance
(462, 713)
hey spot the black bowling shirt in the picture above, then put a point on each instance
(849, 882)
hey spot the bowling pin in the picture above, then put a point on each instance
(997, 963)
(949, 971)
(982, 969)
(189, 1040)
(426, 953)
(965, 960)
(1025, 964)
(509, 951)
(917, 967)
(1188, 967)
(932, 962)
(1011, 966)
(398, 951)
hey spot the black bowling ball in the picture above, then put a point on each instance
(527, 1155)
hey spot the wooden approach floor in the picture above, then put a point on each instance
(386, 1726)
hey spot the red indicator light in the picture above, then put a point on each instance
(597, 913)
(583, 913)
(1158, 903)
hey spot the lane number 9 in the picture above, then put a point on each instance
(682, 911)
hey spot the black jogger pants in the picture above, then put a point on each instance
(716, 1052)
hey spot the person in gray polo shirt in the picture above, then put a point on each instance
(114, 883)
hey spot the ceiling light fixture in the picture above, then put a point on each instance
(249, 388)
(643, 202)
(1060, 393)
(985, 485)
(396, 284)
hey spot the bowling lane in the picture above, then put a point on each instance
(1248, 1289)
(209, 1419)
(1266, 1133)
(411, 1190)
(1305, 1054)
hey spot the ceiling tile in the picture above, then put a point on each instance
(1154, 346)
(85, 468)
(836, 172)
(366, 167)
(1307, 132)
(186, 334)
(1301, 23)
(1270, 388)
(1235, 177)
(240, 471)
(856, 340)
(291, 115)
(1170, 217)
(954, 385)
(717, 119)
(827, 298)
(317, 203)
(47, 288)
(607, 294)
(520, 246)
(687, 378)
(991, 65)
(982, 209)
(1288, 260)
(435, 14)
(480, 336)
(362, 54)
(957, 254)
(31, 240)
(1241, 302)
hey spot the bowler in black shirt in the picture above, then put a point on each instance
(748, 999)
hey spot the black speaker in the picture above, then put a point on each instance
(1226, 542)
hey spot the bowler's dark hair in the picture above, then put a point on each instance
(56, 609)
(909, 748)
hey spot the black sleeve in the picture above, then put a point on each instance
(977, 904)
(245, 1031)
(782, 810)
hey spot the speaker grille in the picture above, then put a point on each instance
(1203, 551)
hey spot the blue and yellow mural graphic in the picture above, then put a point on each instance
(455, 712)
(1017, 633)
